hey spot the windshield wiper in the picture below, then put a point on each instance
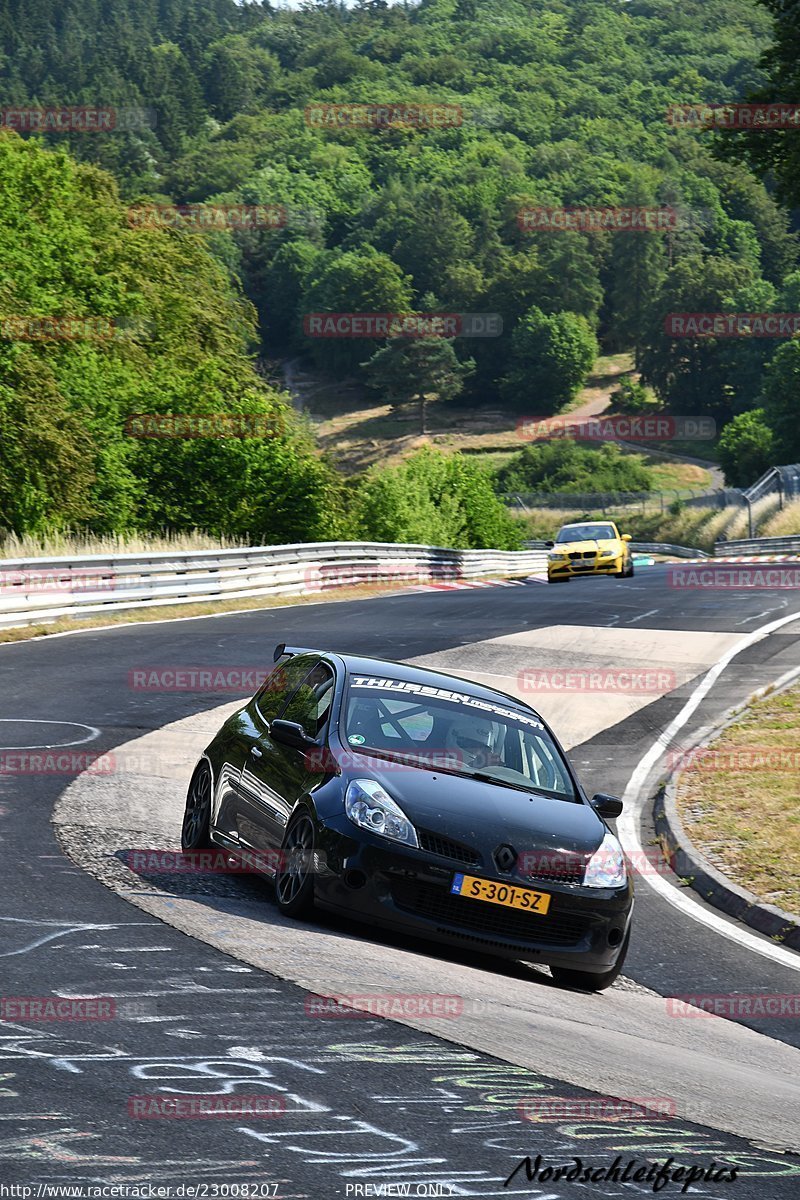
(545, 793)
(485, 777)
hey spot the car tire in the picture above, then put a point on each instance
(196, 828)
(587, 981)
(564, 579)
(630, 570)
(294, 879)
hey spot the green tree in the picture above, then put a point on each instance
(550, 359)
(746, 448)
(780, 401)
(169, 333)
(412, 369)
(693, 373)
(352, 282)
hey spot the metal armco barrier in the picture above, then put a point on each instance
(34, 590)
(668, 548)
(652, 548)
(767, 545)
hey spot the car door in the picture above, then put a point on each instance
(253, 735)
(275, 775)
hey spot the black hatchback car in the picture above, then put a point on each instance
(419, 801)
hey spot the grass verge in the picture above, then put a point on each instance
(739, 804)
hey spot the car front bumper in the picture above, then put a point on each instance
(409, 891)
(572, 569)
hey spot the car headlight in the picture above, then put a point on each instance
(606, 867)
(556, 557)
(368, 805)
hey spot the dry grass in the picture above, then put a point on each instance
(783, 524)
(57, 545)
(740, 806)
(697, 527)
(357, 432)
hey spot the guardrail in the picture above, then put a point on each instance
(34, 590)
(651, 548)
(767, 545)
(668, 548)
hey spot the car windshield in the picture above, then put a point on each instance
(585, 533)
(435, 728)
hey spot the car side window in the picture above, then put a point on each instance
(279, 685)
(310, 704)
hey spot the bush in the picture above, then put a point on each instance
(564, 466)
(746, 448)
(551, 357)
(631, 396)
(436, 499)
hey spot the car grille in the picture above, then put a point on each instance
(585, 554)
(554, 868)
(437, 904)
(434, 844)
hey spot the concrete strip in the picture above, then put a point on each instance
(661, 658)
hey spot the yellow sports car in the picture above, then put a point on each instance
(589, 548)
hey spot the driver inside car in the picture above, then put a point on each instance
(470, 739)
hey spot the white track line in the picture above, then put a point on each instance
(627, 825)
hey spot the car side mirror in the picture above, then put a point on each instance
(626, 537)
(290, 733)
(606, 806)
(549, 545)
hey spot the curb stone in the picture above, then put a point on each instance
(690, 865)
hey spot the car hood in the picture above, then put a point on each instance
(604, 545)
(485, 815)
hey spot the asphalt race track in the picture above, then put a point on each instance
(211, 988)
